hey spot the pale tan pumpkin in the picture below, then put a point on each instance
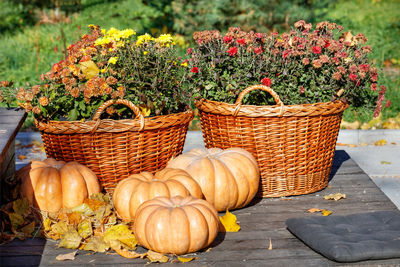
(176, 225)
(228, 178)
(51, 185)
(138, 188)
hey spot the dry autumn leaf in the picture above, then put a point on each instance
(270, 244)
(120, 232)
(385, 162)
(186, 259)
(70, 239)
(89, 69)
(129, 254)
(85, 228)
(314, 210)
(68, 256)
(21, 157)
(21, 206)
(381, 142)
(96, 244)
(144, 110)
(228, 222)
(156, 257)
(16, 220)
(83, 209)
(335, 197)
(28, 229)
(326, 212)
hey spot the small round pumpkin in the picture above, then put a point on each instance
(176, 225)
(228, 178)
(51, 185)
(137, 188)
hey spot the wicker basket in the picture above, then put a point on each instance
(294, 144)
(115, 149)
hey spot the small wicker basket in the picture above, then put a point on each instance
(115, 149)
(293, 144)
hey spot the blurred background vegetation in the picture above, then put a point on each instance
(34, 34)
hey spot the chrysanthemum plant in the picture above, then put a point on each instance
(305, 65)
(106, 65)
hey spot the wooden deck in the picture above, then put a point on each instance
(260, 222)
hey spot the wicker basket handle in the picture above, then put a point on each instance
(127, 103)
(238, 102)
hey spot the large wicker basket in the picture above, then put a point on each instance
(115, 149)
(294, 144)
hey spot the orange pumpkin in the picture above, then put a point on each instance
(137, 188)
(228, 178)
(51, 185)
(176, 225)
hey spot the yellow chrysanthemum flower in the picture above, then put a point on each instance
(102, 41)
(144, 52)
(184, 64)
(143, 39)
(91, 26)
(113, 60)
(164, 39)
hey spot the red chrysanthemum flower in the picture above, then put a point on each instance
(327, 44)
(257, 50)
(189, 51)
(352, 76)
(316, 49)
(241, 41)
(194, 70)
(388, 103)
(232, 51)
(227, 39)
(266, 81)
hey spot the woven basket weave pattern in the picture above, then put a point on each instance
(115, 149)
(294, 145)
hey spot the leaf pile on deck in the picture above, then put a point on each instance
(92, 226)
(19, 220)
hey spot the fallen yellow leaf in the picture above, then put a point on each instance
(130, 254)
(270, 244)
(385, 162)
(47, 224)
(21, 206)
(85, 228)
(89, 69)
(97, 244)
(229, 223)
(335, 197)
(70, 239)
(120, 232)
(381, 142)
(156, 257)
(28, 229)
(313, 210)
(16, 220)
(21, 157)
(184, 259)
(144, 110)
(68, 256)
(326, 212)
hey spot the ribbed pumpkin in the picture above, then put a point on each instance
(51, 185)
(228, 178)
(137, 188)
(176, 225)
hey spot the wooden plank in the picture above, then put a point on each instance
(262, 220)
